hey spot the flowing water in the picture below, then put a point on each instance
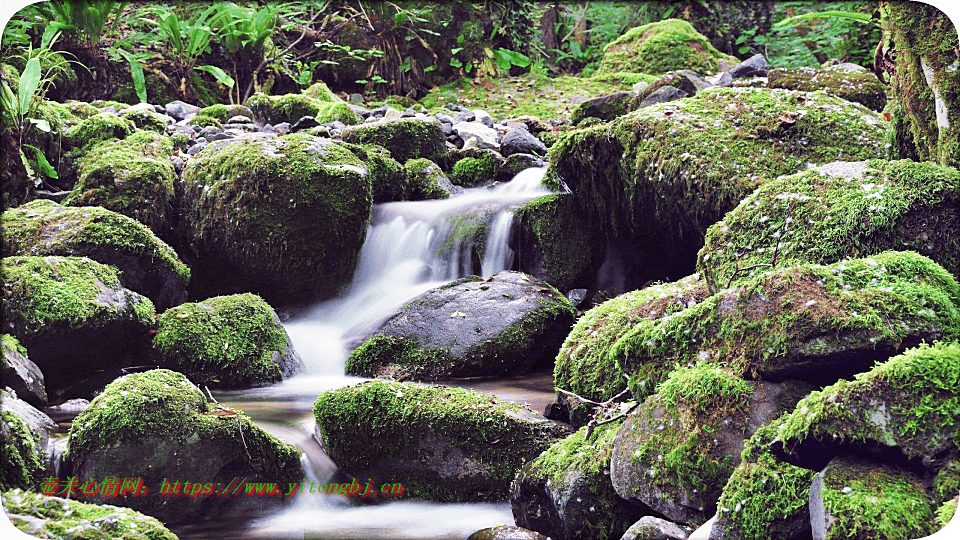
(410, 247)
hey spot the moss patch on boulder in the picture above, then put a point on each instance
(292, 107)
(43, 516)
(388, 177)
(146, 121)
(838, 211)
(443, 444)
(284, 217)
(21, 454)
(847, 81)
(133, 177)
(554, 244)
(156, 425)
(476, 170)
(405, 139)
(147, 265)
(426, 180)
(98, 128)
(228, 341)
(662, 46)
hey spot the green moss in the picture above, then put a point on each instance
(63, 518)
(658, 177)
(99, 128)
(45, 292)
(321, 92)
(946, 484)
(624, 77)
(584, 364)
(203, 120)
(146, 120)
(292, 107)
(405, 139)
(222, 112)
(180, 142)
(911, 401)
(423, 177)
(476, 171)
(820, 217)
(860, 86)
(379, 424)
(133, 177)
(663, 46)
(387, 176)
(565, 245)
(946, 511)
(772, 323)
(81, 109)
(20, 452)
(227, 341)
(404, 354)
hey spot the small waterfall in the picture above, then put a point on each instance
(497, 254)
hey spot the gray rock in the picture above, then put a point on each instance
(180, 110)
(177, 164)
(444, 118)
(20, 374)
(304, 122)
(282, 128)
(520, 141)
(464, 116)
(663, 95)
(506, 532)
(197, 148)
(469, 328)
(56, 196)
(355, 99)
(392, 114)
(207, 131)
(219, 137)
(409, 113)
(487, 137)
(41, 425)
(605, 107)
(721, 79)
(361, 111)
(653, 528)
(483, 117)
(755, 66)
(138, 107)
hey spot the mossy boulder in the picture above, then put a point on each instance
(22, 454)
(656, 178)
(146, 120)
(566, 492)
(203, 120)
(856, 497)
(926, 84)
(469, 328)
(554, 244)
(506, 532)
(461, 240)
(481, 167)
(232, 341)
(837, 211)
(388, 177)
(847, 81)
(443, 444)
(904, 410)
(20, 374)
(813, 322)
(73, 315)
(284, 217)
(321, 92)
(222, 112)
(292, 107)
(675, 452)
(663, 46)
(584, 364)
(605, 107)
(425, 180)
(158, 426)
(405, 138)
(43, 516)
(133, 177)
(98, 128)
(147, 265)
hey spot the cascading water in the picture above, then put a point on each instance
(410, 247)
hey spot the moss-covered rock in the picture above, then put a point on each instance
(204, 120)
(838, 211)
(847, 81)
(292, 107)
(656, 178)
(854, 497)
(43, 516)
(98, 128)
(222, 112)
(584, 364)
(566, 492)
(405, 139)
(506, 532)
(20, 374)
(321, 92)
(425, 180)
(73, 315)
(21, 454)
(675, 452)
(926, 82)
(442, 444)
(663, 46)
(158, 426)
(605, 107)
(387, 176)
(146, 120)
(284, 217)
(81, 109)
(133, 177)
(147, 265)
(906, 409)
(469, 328)
(226, 341)
(477, 169)
(554, 244)
(461, 240)
(812, 322)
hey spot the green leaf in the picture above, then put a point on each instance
(136, 71)
(456, 63)
(32, 176)
(853, 15)
(29, 81)
(220, 75)
(41, 124)
(44, 164)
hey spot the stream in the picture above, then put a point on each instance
(410, 248)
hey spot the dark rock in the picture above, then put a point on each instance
(177, 164)
(219, 137)
(663, 95)
(20, 374)
(684, 79)
(379, 111)
(180, 110)
(506, 532)
(755, 66)
(468, 328)
(520, 141)
(577, 297)
(56, 196)
(304, 122)
(444, 118)
(455, 107)
(516, 163)
(605, 107)
(484, 118)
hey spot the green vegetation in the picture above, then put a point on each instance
(476, 171)
(21, 453)
(565, 245)
(291, 107)
(663, 46)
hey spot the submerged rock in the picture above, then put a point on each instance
(284, 217)
(146, 264)
(442, 444)
(227, 341)
(159, 427)
(469, 328)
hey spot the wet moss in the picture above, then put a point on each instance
(566, 246)
(321, 92)
(147, 121)
(292, 107)
(203, 120)
(946, 512)
(424, 180)
(99, 128)
(387, 176)
(405, 139)
(81, 109)
(226, 341)
(373, 428)
(20, 451)
(845, 210)
(476, 171)
(62, 518)
(857, 85)
(662, 46)
(403, 354)
(133, 177)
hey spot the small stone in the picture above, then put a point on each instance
(180, 110)
(355, 98)
(464, 116)
(755, 66)
(304, 122)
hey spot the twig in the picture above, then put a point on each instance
(581, 398)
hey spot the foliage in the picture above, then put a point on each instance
(809, 33)
(81, 22)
